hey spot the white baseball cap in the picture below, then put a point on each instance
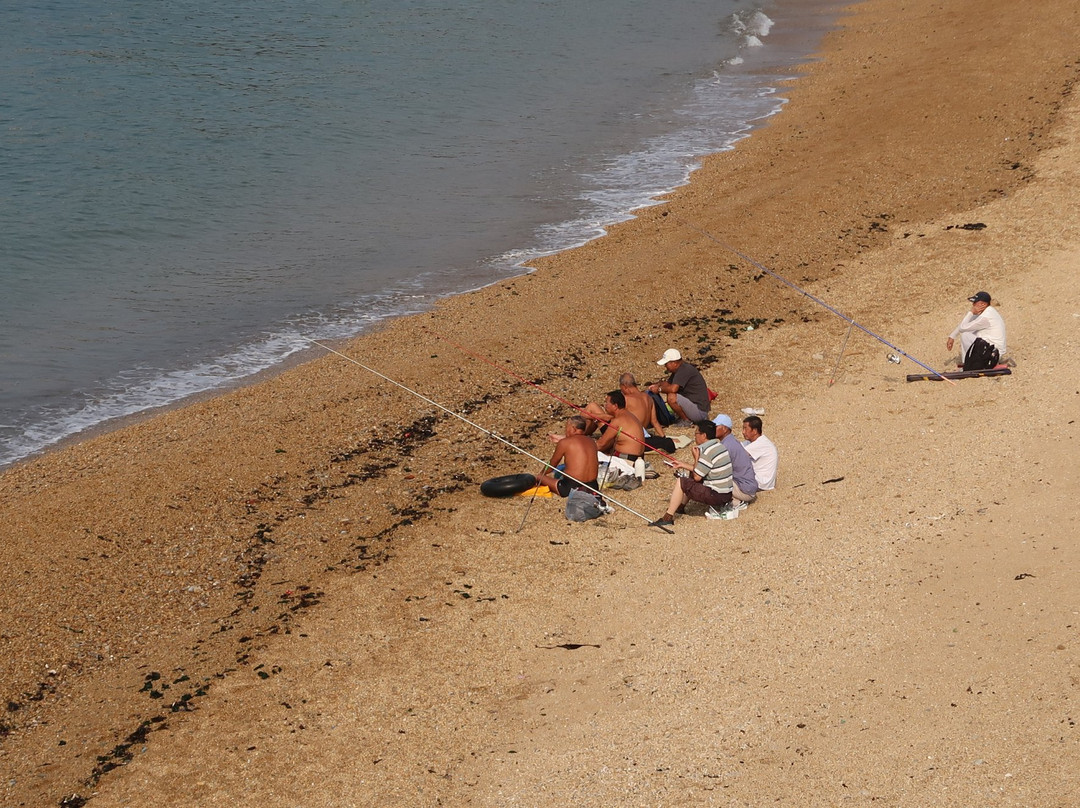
(670, 355)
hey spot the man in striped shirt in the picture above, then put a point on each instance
(709, 480)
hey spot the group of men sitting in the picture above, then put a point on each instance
(725, 472)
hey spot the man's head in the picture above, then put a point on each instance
(706, 430)
(575, 425)
(627, 382)
(979, 301)
(751, 428)
(670, 360)
(614, 400)
(723, 425)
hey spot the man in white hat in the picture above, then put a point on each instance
(981, 333)
(685, 388)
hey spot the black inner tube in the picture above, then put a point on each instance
(507, 485)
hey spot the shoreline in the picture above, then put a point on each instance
(496, 269)
(175, 539)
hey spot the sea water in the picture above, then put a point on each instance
(191, 190)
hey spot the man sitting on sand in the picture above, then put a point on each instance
(745, 486)
(982, 335)
(624, 436)
(641, 405)
(578, 452)
(710, 480)
(685, 388)
(762, 451)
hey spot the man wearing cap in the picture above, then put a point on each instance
(981, 333)
(685, 388)
(742, 465)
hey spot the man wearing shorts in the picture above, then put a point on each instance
(710, 480)
(578, 452)
(685, 388)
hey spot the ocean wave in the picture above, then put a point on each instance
(751, 23)
(722, 111)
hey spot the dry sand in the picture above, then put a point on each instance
(293, 594)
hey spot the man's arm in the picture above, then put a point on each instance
(668, 387)
(969, 323)
(702, 463)
(654, 422)
(606, 442)
(664, 387)
(560, 453)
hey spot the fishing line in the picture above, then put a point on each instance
(487, 432)
(840, 355)
(532, 499)
(803, 292)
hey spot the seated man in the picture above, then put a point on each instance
(577, 451)
(742, 466)
(762, 451)
(982, 335)
(642, 406)
(639, 403)
(710, 480)
(685, 388)
(623, 436)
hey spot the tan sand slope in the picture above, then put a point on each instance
(293, 595)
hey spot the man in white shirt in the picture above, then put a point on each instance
(762, 451)
(981, 323)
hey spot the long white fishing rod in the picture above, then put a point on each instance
(487, 432)
(805, 293)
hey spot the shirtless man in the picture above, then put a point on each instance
(624, 436)
(641, 405)
(578, 451)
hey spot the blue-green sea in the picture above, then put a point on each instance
(189, 191)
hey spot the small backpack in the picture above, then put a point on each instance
(981, 355)
(663, 413)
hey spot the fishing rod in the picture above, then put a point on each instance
(487, 432)
(521, 378)
(804, 293)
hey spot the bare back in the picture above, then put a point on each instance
(643, 409)
(624, 435)
(578, 452)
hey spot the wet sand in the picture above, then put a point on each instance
(293, 594)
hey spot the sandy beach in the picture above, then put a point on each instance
(293, 594)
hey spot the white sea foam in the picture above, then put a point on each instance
(751, 23)
(146, 388)
(723, 109)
